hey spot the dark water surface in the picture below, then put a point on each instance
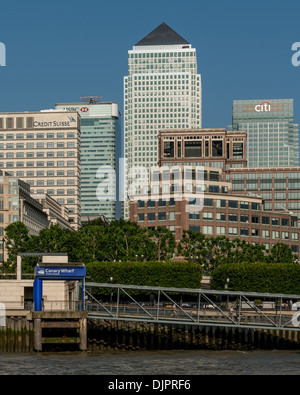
(153, 363)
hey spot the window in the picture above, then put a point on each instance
(221, 230)
(255, 219)
(244, 232)
(265, 220)
(220, 216)
(172, 215)
(244, 218)
(232, 231)
(217, 148)
(207, 216)
(169, 149)
(275, 234)
(208, 202)
(141, 217)
(265, 233)
(232, 217)
(151, 216)
(193, 149)
(285, 235)
(208, 230)
(162, 216)
(232, 204)
(220, 203)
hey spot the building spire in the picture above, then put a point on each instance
(162, 35)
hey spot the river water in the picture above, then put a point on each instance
(153, 363)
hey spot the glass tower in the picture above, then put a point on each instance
(162, 91)
(100, 131)
(272, 135)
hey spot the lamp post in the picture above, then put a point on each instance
(226, 288)
(111, 279)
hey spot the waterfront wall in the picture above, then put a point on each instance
(104, 335)
(17, 336)
(109, 335)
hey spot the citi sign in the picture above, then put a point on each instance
(265, 106)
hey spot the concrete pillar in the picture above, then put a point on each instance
(19, 268)
(37, 334)
(83, 334)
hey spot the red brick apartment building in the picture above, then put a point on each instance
(202, 183)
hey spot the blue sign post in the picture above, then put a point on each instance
(62, 273)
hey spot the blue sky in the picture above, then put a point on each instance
(61, 50)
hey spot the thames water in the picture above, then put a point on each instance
(153, 363)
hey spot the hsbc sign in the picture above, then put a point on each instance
(263, 107)
(84, 109)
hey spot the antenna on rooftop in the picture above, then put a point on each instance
(91, 99)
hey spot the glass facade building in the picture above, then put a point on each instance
(162, 90)
(272, 135)
(100, 129)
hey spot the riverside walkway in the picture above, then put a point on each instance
(194, 307)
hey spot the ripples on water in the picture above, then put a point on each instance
(153, 363)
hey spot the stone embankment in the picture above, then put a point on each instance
(107, 335)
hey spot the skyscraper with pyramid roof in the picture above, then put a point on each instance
(162, 91)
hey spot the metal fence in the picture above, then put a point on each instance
(192, 306)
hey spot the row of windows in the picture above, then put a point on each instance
(10, 165)
(41, 183)
(233, 231)
(52, 192)
(42, 173)
(36, 136)
(49, 145)
(162, 216)
(30, 155)
(209, 216)
(207, 202)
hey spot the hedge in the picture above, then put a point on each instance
(258, 277)
(156, 274)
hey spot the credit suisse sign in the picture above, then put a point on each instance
(67, 123)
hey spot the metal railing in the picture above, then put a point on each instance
(193, 306)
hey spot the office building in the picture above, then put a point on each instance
(272, 134)
(189, 191)
(100, 142)
(43, 149)
(221, 213)
(202, 147)
(162, 90)
(17, 204)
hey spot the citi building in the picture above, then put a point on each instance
(272, 135)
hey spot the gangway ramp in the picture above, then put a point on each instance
(197, 307)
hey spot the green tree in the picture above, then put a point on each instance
(16, 241)
(282, 253)
(164, 243)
